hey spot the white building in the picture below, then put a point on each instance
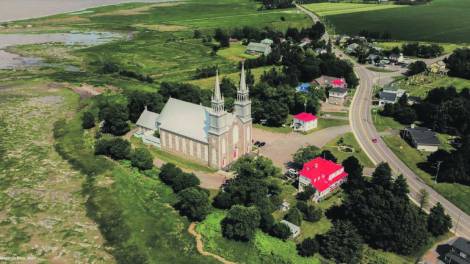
(304, 122)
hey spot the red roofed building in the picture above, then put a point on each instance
(304, 122)
(323, 175)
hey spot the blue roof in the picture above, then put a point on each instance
(303, 87)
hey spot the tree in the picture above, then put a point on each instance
(142, 158)
(423, 198)
(326, 154)
(382, 176)
(294, 216)
(240, 223)
(307, 194)
(341, 243)
(88, 120)
(280, 230)
(354, 169)
(115, 116)
(266, 221)
(184, 180)
(439, 222)
(416, 68)
(459, 63)
(400, 187)
(303, 155)
(193, 203)
(308, 247)
(138, 100)
(168, 171)
(312, 213)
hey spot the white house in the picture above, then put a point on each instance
(304, 122)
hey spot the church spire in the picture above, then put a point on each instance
(242, 91)
(217, 98)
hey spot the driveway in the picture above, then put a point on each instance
(280, 147)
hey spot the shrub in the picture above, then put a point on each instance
(142, 158)
(176, 178)
(307, 194)
(88, 120)
(116, 148)
(280, 230)
(294, 216)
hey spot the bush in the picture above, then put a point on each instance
(281, 230)
(142, 158)
(310, 212)
(294, 216)
(88, 120)
(116, 148)
(240, 223)
(307, 194)
(176, 178)
(308, 247)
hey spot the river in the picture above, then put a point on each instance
(11, 10)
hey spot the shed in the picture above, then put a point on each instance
(421, 138)
(294, 229)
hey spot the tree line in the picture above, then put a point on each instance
(377, 212)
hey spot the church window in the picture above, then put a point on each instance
(235, 134)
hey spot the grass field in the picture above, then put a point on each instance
(329, 9)
(456, 193)
(444, 21)
(448, 47)
(420, 85)
(41, 204)
(350, 141)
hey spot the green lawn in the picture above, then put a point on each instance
(329, 9)
(262, 249)
(168, 157)
(420, 85)
(458, 194)
(236, 52)
(350, 142)
(448, 47)
(384, 123)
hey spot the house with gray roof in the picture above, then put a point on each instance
(421, 138)
(459, 252)
(390, 95)
(258, 48)
(208, 135)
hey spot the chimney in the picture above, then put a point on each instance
(145, 107)
(412, 125)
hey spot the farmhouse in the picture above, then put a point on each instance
(421, 138)
(390, 95)
(209, 135)
(258, 48)
(324, 175)
(459, 252)
(304, 122)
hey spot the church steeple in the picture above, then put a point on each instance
(217, 98)
(242, 104)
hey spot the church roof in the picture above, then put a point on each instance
(187, 119)
(148, 119)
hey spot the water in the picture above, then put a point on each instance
(10, 60)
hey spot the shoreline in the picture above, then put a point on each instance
(21, 10)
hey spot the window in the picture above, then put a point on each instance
(235, 134)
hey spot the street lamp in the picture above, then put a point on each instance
(437, 171)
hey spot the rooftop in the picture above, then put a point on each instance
(306, 117)
(318, 171)
(338, 90)
(462, 244)
(423, 136)
(388, 96)
(258, 47)
(148, 119)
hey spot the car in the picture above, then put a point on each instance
(374, 140)
(261, 144)
(257, 143)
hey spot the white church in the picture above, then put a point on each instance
(208, 135)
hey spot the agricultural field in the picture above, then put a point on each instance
(330, 9)
(444, 21)
(42, 212)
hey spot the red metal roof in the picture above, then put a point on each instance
(318, 171)
(338, 82)
(306, 117)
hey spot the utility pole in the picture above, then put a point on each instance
(457, 224)
(437, 171)
(305, 105)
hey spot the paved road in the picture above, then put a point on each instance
(362, 126)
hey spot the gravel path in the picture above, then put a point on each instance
(200, 245)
